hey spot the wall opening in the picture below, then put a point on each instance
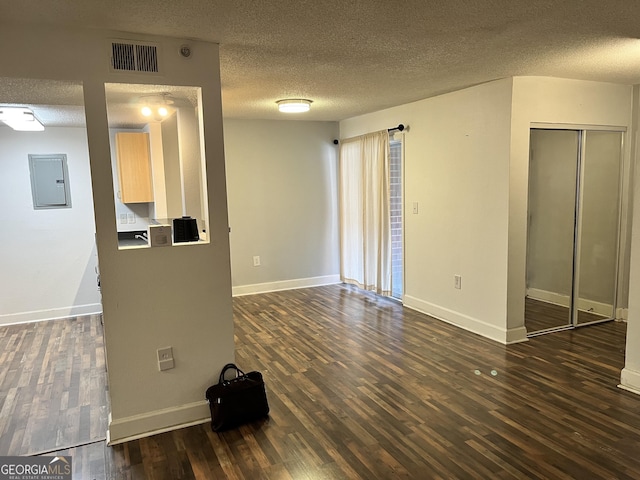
(158, 165)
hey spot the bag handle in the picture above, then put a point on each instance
(230, 366)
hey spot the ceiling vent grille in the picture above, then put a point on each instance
(134, 57)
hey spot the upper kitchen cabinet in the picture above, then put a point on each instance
(134, 167)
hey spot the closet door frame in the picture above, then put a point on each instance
(582, 131)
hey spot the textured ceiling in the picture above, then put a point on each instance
(354, 57)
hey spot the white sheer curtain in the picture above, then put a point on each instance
(365, 230)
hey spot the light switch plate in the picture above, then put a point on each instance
(165, 359)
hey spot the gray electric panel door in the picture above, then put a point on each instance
(49, 181)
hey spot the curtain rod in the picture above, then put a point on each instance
(400, 128)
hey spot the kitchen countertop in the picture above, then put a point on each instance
(132, 239)
(132, 242)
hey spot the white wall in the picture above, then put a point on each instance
(47, 257)
(630, 376)
(172, 170)
(191, 163)
(152, 297)
(282, 184)
(466, 164)
(457, 170)
(573, 103)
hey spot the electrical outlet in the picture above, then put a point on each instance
(457, 281)
(256, 260)
(165, 359)
(123, 218)
(131, 217)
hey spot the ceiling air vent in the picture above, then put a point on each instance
(134, 57)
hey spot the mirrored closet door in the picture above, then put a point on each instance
(573, 228)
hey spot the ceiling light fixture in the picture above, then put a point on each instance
(156, 105)
(294, 105)
(20, 119)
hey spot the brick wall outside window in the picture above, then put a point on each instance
(396, 219)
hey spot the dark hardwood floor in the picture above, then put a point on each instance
(53, 385)
(361, 387)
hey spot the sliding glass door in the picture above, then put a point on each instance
(573, 225)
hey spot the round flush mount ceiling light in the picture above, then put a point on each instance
(156, 105)
(294, 105)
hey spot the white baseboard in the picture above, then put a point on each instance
(549, 297)
(159, 421)
(466, 322)
(51, 314)
(516, 335)
(584, 304)
(630, 380)
(622, 314)
(285, 285)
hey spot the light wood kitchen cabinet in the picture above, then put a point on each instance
(134, 167)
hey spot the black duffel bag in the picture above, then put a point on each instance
(237, 401)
